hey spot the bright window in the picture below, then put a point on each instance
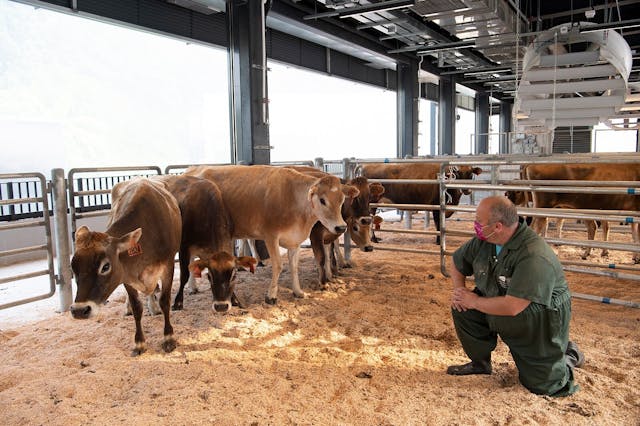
(314, 115)
(75, 92)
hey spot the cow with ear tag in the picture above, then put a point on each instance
(222, 273)
(137, 249)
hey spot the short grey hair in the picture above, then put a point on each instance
(501, 209)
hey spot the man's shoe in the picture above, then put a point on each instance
(575, 357)
(473, 367)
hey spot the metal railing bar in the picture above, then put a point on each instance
(24, 276)
(21, 250)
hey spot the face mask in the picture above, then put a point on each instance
(478, 228)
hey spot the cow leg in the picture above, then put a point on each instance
(294, 257)
(327, 269)
(605, 237)
(591, 235)
(152, 301)
(184, 277)
(341, 261)
(559, 226)
(540, 225)
(169, 343)
(136, 308)
(436, 223)
(635, 235)
(315, 238)
(235, 301)
(273, 247)
(374, 239)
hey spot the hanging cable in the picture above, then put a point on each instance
(516, 99)
(555, 75)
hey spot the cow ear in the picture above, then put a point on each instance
(247, 262)
(350, 191)
(82, 235)
(376, 189)
(312, 191)
(197, 266)
(129, 242)
(477, 170)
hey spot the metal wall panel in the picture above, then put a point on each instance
(165, 17)
(283, 47)
(210, 28)
(313, 56)
(339, 64)
(120, 10)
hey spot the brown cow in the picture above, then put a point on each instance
(413, 193)
(521, 198)
(137, 249)
(206, 235)
(585, 171)
(280, 206)
(356, 213)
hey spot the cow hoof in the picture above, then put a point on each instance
(169, 345)
(300, 296)
(270, 300)
(177, 307)
(139, 349)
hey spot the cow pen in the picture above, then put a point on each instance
(372, 348)
(499, 183)
(86, 192)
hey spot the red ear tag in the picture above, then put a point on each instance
(134, 250)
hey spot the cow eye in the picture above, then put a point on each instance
(105, 268)
(323, 202)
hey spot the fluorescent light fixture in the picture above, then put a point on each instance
(488, 71)
(446, 46)
(367, 8)
(630, 23)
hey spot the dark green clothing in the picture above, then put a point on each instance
(538, 336)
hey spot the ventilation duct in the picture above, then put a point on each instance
(572, 78)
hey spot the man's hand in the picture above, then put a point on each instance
(462, 299)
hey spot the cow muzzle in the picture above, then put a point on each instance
(221, 307)
(340, 229)
(365, 220)
(81, 310)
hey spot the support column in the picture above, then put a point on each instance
(407, 109)
(482, 124)
(433, 135)
(446, 114)
(248, 82)
(505, 127)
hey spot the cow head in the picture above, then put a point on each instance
(222, 272)
(326, 196)
(97, 269)
(519, 198)
(358, 213)
(459, 172)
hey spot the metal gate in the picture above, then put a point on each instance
(25, 201)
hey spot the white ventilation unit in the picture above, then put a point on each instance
(572, 76)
